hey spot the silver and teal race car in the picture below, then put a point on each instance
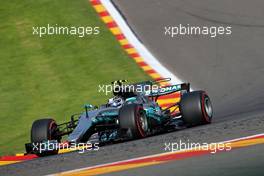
(132, 113)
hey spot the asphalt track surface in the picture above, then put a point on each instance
(229, 68)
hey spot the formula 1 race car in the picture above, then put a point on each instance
(132, 113)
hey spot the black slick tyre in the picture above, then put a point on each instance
(196, 108)
(43, 130)
(133, 120)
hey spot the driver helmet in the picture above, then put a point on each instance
(115, 102)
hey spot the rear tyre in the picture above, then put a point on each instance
(133, 121)
(196, 108)
(43, 130)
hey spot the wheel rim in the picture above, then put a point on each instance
(208, 107)
(52, 130)
(143, 122)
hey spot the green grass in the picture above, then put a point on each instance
(53, 75)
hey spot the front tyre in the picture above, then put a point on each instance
(43, 130)
(132, 119)
(196, 108)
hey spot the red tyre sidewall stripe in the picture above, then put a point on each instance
(205, 116)
(50, 128)
(139, 127)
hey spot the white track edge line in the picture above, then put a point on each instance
(142, 50)
(149, 156)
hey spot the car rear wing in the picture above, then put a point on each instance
(153, 88)
(165, 90)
